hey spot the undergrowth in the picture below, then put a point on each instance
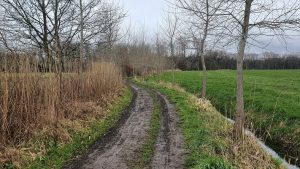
(80, 139)
(31, 101)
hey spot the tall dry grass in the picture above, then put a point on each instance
(31, 100)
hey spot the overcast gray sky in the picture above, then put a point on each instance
(147, 14)
(144, 13)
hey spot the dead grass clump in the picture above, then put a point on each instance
(247, 154)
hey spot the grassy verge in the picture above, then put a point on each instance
(271, 102)
(80, 142)
(145, 153)
(207, 134)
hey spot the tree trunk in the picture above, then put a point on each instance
(240, 114)
(81, 38)
(58, 67)
(4, 116)
(58, 49)
(204, 79)
(202, 45)
(80, 64)
(174, 61)
(45, 37)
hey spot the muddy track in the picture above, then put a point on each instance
(118, 146)
(169, 151)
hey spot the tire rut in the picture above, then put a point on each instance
(169, 151)
(119, 145)
(115, 149)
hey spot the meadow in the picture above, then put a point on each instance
(271, 102)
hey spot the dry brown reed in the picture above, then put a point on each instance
(31, 101)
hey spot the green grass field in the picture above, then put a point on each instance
(272, 102)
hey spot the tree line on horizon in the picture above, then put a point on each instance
(216, 59)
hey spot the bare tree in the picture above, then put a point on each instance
(39, 24)
(161, 51)
(183, 45)
(114, 16)
(267, 18)
(30, 20)
(98, 23)
(89, 12)
(81, 34)
(52, 26)
(113, 33)
(170, 29)
(202, 15)
(240, 114)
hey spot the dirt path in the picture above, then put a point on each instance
(118, 146)
(169, 150)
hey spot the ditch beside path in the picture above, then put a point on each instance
(118, 146)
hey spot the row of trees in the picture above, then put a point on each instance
(60, 32)
(57, 30)
(223, 60)
(203, 25)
